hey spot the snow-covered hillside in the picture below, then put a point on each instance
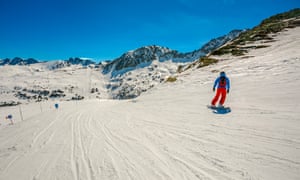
(39, 82)
(168, 133)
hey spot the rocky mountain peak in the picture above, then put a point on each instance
(139, 57)
(18, 61)
(143, 56)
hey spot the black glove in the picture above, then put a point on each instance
(214, 89)
(227, 90)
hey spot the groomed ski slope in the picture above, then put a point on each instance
(168, 133)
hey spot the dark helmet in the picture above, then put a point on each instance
(222, 73)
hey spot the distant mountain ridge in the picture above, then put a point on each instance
(63, 63)
(71, 61)
(218, 42)
(143, 56)
(18, 61)
(140, 57)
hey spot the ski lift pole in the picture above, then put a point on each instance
(41, 107)
(21, 114)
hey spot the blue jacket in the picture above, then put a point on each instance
(216, 84)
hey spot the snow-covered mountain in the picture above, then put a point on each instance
(140, 57)
(220, 41)
(80, 61)
(71, 61)
(18, 61)
(139, 70)
(55, 64)
(144, 56)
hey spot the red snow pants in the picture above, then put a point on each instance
(220, 92)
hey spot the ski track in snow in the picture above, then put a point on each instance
(168, 133)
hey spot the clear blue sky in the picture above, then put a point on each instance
(105, 29)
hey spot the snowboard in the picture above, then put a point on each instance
(219, 110)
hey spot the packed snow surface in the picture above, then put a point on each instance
(168, 132)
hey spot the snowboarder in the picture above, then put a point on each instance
(9, 117)
(222, 83)
(56, 106)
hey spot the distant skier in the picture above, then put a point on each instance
(222, 83)
(56, 106)
(9, 117)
